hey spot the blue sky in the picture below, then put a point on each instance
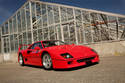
(8, 7)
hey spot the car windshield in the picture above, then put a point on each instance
(53, 43)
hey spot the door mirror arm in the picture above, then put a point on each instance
(28, 51)
(37, 48)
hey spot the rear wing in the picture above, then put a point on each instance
(23, 46)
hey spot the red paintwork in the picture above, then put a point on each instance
(77, 51)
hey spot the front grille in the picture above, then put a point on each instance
(85, 59)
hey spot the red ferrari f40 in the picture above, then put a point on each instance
(56, 54)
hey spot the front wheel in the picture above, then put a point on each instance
(21, 61)
(47, 61)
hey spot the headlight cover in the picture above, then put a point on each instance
(66, 55)
(94, 51)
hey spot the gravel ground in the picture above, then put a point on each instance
(109, 70)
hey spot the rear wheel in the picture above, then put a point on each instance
(47, 61)
(21, 61)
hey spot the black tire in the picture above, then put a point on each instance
(21, 61)
(47, 61)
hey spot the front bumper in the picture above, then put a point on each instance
(65, 64)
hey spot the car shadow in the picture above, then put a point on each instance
(70, 69)
(76, 68)
(39, 67)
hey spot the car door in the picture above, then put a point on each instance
(28, 54)
(34, 55)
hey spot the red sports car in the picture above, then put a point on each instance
(57, 54)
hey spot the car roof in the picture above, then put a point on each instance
(45, 41)
(49, 40)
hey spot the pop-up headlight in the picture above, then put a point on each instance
(66, 55)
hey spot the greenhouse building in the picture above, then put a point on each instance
(37, 20)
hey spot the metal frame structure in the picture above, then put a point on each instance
(37, 20)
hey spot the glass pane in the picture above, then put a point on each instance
(70, 13)
(45, 33)
(14, 24)
(58, 29)
(38, 23)
(27, 6)
(3, 30)
(66, 33)
(6, 28)
(40, 34)
(78, 15)
(56, 14)
(121, 28)
(10, 26)
(113, 25)
(72, 32)
(19, 21)
(12, 42)
(96, 34)
(25, 39)
(94, 17)
(28, 20)
(52, 33)
(23, 19)
(80, 32)
(38, 11)
(35, 36)
(85, 16)
(29, 37)
(88, 36)
(50, 14)
(63, 14)
(16, 42)
(44, 15)
(20, 39)
(6, 44)
(121, 23)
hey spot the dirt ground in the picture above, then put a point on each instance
(109, 70)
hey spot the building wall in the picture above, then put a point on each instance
(37, 20)
(104, 49)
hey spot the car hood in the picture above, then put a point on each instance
(76, 51)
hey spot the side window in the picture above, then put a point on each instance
(36, 44)
(40, 45)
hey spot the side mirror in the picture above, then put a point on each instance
(28, 51)
(37, 48)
